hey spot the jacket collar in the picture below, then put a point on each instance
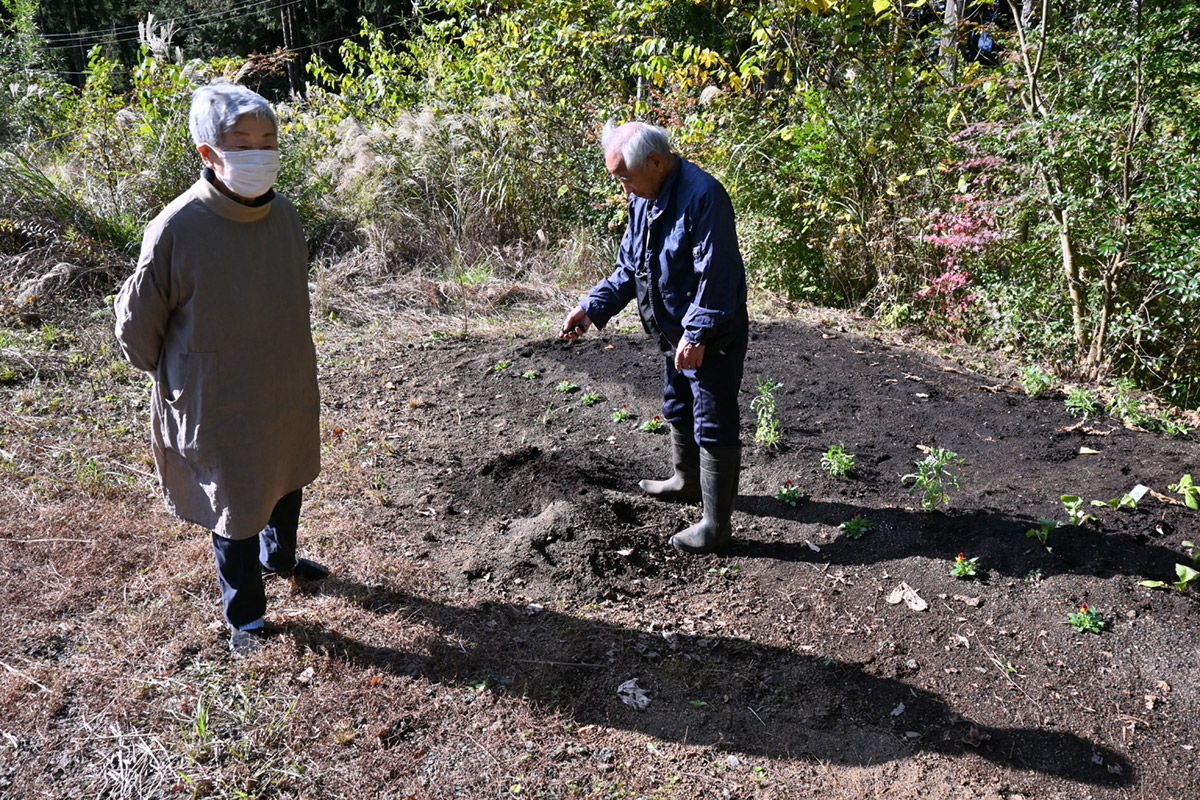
(659, 205)
(229, 208)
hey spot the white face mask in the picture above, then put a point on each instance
(250, 173)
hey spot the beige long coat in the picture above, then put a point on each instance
(217, 312)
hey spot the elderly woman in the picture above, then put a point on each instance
(217, 312)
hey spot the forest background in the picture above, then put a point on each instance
(1020, 175)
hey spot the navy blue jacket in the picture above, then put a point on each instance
(680, 259)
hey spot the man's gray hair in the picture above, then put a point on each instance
(216, 108)
(644, 140)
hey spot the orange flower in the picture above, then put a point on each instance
(1083, 608)
(960, 557)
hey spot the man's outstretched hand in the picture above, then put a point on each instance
(575, 325)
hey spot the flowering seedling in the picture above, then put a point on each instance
(933, 478)
(655, 425)
(1186, 575)
(1087, 620)
(1190, 492)
(788, 493)
(589, 397)
(1043, 532)
(856, 526)
(837, 462)
(567, 386)
(964, 567)
(1074, 508)
(621, 414)
(529, 374)
(500, 365)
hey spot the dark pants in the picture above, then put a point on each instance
(706, 398)
(240, 562)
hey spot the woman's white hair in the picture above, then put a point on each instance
(216, 108)
(644, 140)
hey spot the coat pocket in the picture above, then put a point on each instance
(184, 408)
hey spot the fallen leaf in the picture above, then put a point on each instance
(304, 677)
(973, 602)
(633, 695)
(909, 596)
(1162, 498)
(1151, 699)
(609, 346)
(1163, 687)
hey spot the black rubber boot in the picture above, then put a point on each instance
(684, 485)
(720, 468)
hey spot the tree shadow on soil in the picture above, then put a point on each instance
(999, 538)
(710, 690)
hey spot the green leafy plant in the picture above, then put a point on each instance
(654, 425)
(856, 526)
(622, 414)
(933, 477)
(1087, 620)
(698, 703)
(789, 493)
(1185, 573)
(1080, 402)
(1124, 502)
(1042, 532)
(1125, 406)
(566, 386)
(1073, 505)
(964, 567)
(1190, 492)
(766, 413)
(529, 374)
(730, 572)
(837, 462)
(499, 365)
(589, 397)
(1035, 380)
(1171, 426)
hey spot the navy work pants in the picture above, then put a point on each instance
(240, 563)
(706, 398)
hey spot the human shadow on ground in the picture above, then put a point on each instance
(999, 538)
(705, 689)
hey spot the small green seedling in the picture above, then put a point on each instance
(529, 374)
(729, 572)
(589, 397)
(1042, 533)
(500, 365)
(566, 386)
(1186, 575)
(933, 478)
(1035, 380)
(1087, 620)
(1073, 504)
(964, 567)
(622, 414)
(655, 425)
(1172, 427)
(1080, 402)
(856, 526)
(837, 462)
(789, 493)
(767, 428)
(1190, 492)
(698, 703)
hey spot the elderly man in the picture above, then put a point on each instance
(217, 312)
(680, 259)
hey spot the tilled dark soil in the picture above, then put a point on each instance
(783, 644)
(498, 577)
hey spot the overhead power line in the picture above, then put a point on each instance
(131, 33)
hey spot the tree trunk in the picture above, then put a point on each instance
(949, 41)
